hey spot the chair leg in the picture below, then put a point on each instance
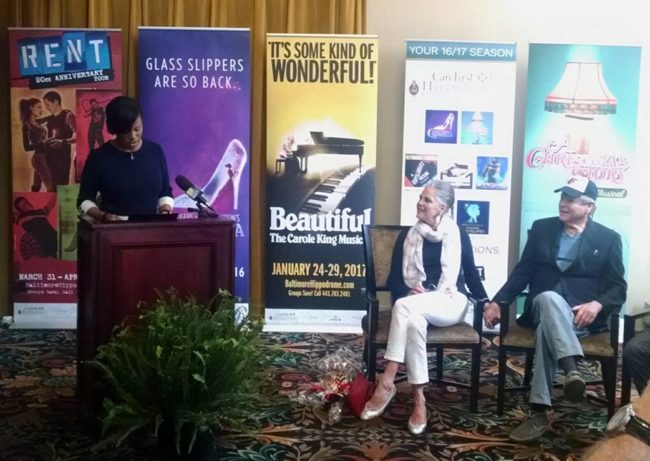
(371, 360)
(474, 383)
(501, 379)
(528, 368)
(626, 385)
(364, 355)
(440, 352)
(609, 383)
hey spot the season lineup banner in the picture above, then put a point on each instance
(321, 156)
(459, 102)
(194, 87)
(60, 82)
(581, 119)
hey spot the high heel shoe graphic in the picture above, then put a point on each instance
(448, 125)
(230, 168)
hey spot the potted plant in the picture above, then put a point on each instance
(182, 369)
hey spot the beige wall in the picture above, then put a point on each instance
(523, 22)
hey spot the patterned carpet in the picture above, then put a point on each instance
(38, 415)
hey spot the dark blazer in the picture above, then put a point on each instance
(468, 277)
(595, 275)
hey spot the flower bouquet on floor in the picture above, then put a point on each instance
(340, 380)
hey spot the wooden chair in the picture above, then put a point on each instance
(602, 347)
(278, 164)
(379, 241)
(629, 330)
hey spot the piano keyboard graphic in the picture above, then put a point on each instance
(327, 196)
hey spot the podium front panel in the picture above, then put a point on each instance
(122, 265)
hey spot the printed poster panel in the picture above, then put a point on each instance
(321, 156)
(593, 135)
(195, 95)
(458, 127)
(60, 82)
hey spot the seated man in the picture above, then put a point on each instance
(636, 359)
(574, 270)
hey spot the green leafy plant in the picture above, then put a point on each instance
(183, 363)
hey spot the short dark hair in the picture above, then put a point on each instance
(18, 200)
(52, 96)
(121, 114)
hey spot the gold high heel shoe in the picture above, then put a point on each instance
(368, 414)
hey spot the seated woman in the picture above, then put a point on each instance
(127, 175)
(431, 266)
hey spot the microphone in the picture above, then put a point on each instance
(193, 192)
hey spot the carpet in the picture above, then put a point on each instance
(39, 418)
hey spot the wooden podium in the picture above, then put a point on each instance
(122, 264)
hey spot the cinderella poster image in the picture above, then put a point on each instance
(195, 95)
(581, 119)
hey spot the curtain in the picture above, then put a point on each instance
(261, 16)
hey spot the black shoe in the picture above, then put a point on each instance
(574, 386)
(531, 429)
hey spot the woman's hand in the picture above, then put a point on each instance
(417, 290)
(110, 217)
(101, 216)
(491, 314)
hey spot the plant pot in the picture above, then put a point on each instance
(203, 449)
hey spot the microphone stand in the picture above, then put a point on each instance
(203, 211)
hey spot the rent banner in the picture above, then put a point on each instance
(321, 155)
(459, 102)
(581, 120)
(60, 82)
(194, 88)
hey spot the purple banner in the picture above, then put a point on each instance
(195, 97)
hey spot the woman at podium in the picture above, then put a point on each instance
(128, 174)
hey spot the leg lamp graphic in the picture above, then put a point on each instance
(478, 128)
(229, 169)
(581, 94)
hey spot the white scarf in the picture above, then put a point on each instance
(412, 265)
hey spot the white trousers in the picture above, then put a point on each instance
(407, 337)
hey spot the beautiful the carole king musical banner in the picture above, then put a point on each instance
(321, 155)
(581, 117)
(60, 82)
(195, 97)
(458, 127)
